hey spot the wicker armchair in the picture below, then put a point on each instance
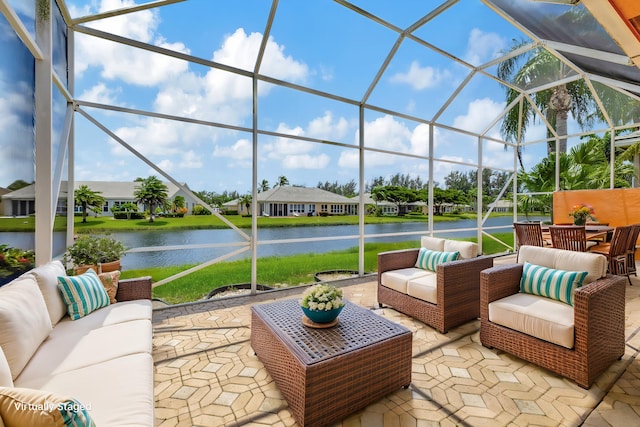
(599, 314)
(457, 290)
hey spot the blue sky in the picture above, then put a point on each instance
(318, 44)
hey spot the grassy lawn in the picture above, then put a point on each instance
(276, 271)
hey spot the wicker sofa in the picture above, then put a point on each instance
(578, 342)
(101, 362)
(442, 299)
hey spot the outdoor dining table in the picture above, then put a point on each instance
(593, 232)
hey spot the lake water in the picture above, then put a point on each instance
(298, 240)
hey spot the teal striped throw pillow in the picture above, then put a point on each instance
(82, 294)
(551, 283)
(428, 259)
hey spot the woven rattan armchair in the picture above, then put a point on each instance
(599, 313)
(458, 287)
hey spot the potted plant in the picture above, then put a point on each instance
(101, 253)
(322, 303)
(14, 262)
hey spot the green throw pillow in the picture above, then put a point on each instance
(429, 260)
(551, 283)
(82, 294)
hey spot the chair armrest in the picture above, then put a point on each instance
(460, 277)
(498, 282)
(599, 313)
(394, 260)
(132, 289)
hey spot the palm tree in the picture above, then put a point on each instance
(527, 70)
(151, 192)
(282, 181)
(263, 186)
(246, 202)
(87, 198)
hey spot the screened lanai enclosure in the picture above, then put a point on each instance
(240, 98)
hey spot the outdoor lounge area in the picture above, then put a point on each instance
(207, 373)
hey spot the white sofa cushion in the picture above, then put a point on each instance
(47, 277)
(5, 372)
(397, 279)
(24, 321)
(466, 249)
(432, 243)
(594, 264)
(112, 314)
(79, 346)
(100, 388)
(541, 317)
(424, 288)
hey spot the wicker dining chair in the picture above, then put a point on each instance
(616, 251)
(569, 237)
(631, 249)
(529, 233)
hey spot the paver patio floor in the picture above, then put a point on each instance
(206, 374)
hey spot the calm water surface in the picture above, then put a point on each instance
(226, 238)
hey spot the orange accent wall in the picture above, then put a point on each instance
(619, 206)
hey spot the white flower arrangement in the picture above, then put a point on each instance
(322, 298)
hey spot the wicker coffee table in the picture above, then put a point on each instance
(327, 374)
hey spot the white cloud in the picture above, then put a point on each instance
(306, 161)
(479, 115)
(483, 47)
(420, 78)
(99, 93)
(326, 127)
(118, 61)
(241, 150)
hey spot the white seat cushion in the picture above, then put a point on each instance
(117, 392)
(78, 347)
(424, 288)
(5, 372)
(398, 279)
(541, 317)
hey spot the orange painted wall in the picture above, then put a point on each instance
(619, 206)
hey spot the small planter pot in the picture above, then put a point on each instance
(322, 316)
(104, 267)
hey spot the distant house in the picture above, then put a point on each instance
(3, 191)
(502, 206)
(22, 202)
(298, 201)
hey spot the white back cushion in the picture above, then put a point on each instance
(47, 277)
(594, 264)
(24, 321)
(466, 249)
(432, 243)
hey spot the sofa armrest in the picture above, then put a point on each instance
(395, 260)
(132, 289)
(496, 283)
(599, 312)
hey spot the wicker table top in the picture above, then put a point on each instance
(357, 328)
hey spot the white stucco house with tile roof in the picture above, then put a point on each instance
(22, 202)
(288, 200)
